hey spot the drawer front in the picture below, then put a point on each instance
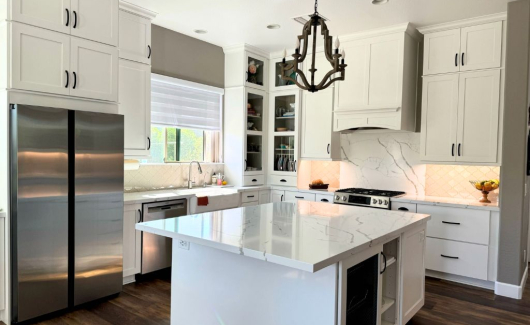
(324, 198)
(452, 257)
(283, 180)
(471, 226)
(402, 206)
(253, 180)
(250, 196)
(295, 196)
(250, 204)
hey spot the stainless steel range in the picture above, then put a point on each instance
(365, 197)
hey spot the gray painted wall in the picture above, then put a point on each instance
(183, 57)
(514, 205)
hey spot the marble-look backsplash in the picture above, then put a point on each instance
(382, 160)
(157, 176)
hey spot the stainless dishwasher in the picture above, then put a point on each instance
(156, 250)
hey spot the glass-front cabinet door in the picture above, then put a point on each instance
(276, 82)
(284, 129)
(255, 126)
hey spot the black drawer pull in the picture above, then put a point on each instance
(403, 209)
(324, 200)
(250, 196)
(299, 197)
(451, 257)
(283, 181)
(254, 180)
(139, 216)
(451, 223)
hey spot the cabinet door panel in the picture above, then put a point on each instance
(131, 240)
(135, 105)
(49, 14)
(478, 116)
(353, 91)
(135, 38)
(413, 271)
(386, 74)
(97, 20)
(96, 70)
(40, 60)
(439, 118)
(317, 130)
(264, 197)
(277, 196)
(481, 47)
(441, 50)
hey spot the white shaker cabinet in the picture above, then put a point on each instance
(135, 38)
(264, 197)
(442, 52)
(96, 20)
(132, 240)
(135, 105)
(277, 196)
(95, 70)
(40, 60)
(50, 14)
(319, 142)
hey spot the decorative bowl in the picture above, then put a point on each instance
(485, 186)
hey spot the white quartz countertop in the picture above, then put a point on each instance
(304, 235)
(449, 202)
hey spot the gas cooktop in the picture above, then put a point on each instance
(365, 197)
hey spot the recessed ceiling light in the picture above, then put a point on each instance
(379, 2)
(273, 26)
(200, 31)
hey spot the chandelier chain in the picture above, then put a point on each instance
(316, 6)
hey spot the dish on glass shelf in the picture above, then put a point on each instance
(281, 129)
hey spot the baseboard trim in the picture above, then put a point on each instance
(129, 279)
(510, 290)
(461, 279)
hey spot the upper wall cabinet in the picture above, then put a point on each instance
(246, 66)
(135, 33)
(463, 49)
(381, 78)
(45, 61)
(96, 20)
(275, 81)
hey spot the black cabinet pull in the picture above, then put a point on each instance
(451, 223)
(149, 47)
(141, 219)
(254, 180)
(250, 196)
(324, 200)
(463, 54)
(75, 19)
(328, 148)
(67, 17)
(451, 257)
(295, 165)
(245, 165)
(75, 80)
(456, 60)
(453, 150)
(459, 146)
(403, 209)
(67, 79)
(298, 197)
(283, 181)
(384, 258)
(149, 143)
(281, 199)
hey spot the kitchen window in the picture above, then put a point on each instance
(185, 121)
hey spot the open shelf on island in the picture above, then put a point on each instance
(386, 304)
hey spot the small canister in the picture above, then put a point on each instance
(214, 179)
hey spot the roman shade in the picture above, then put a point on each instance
(183, 104)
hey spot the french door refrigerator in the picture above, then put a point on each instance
(66, 208)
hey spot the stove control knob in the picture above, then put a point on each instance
(380, 201)
(386, 202)
(337, 197)
(374, 201)
(344, 198)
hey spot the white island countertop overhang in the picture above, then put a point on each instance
(307, 236)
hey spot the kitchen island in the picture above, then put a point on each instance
(295, 263)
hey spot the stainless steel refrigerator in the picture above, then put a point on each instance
(66, 208)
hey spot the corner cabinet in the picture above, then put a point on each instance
(319, 141)
(464, 108)
(246, 66)
(135, 54)
(379, 90)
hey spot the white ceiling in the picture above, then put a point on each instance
(231, 22)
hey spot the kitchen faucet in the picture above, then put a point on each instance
(190, 182)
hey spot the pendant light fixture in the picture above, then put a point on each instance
(333, 57)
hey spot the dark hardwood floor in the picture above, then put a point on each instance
(146, 302)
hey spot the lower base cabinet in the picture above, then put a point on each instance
(295, 196)
(277, 196)
(132, 240)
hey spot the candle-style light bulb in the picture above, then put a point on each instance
(337, 43)
(297, 46)
(343, 53)
(284, 53)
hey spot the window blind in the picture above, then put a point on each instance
(183, 104)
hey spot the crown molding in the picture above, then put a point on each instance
(247, 48)
(464, 23)
(401, 28)
(137, 10)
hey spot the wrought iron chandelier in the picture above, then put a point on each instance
(310, 28)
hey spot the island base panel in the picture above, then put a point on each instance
(212, 287)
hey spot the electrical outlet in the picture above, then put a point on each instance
(184, 244)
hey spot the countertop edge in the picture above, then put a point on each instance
(433, 202)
